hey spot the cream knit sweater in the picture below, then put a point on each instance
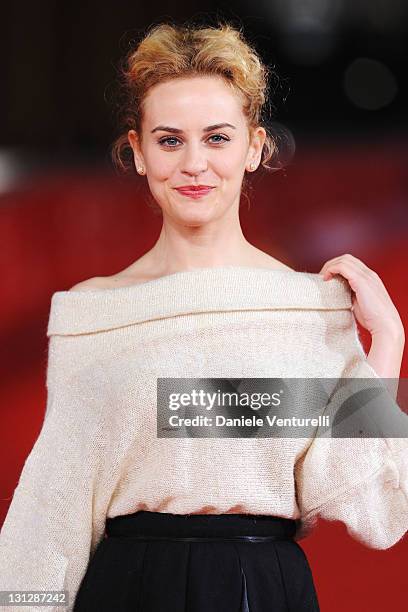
(98, 454)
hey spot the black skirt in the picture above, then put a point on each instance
(159, 562)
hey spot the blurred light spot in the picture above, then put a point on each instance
(310, 14)
(10, 171)
(308, 29)
(369, 84)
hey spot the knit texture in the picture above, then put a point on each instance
(98, 454)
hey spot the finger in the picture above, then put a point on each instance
(334, 260)
(350, 271)
(347, 258)
(349, 268)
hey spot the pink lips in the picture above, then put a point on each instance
(194, 193)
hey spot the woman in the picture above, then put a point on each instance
(111, 509)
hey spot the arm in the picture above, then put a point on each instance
(375, 311)
(360, 481)
(385, 357)
(56, 517)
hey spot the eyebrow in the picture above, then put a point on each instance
(209, 128)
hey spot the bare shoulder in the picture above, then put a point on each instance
(261, 259)
(96, 282)
(111, 282)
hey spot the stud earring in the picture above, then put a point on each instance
(252, 166)
(141, 170)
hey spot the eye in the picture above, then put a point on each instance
(224, 138)
(165, 141)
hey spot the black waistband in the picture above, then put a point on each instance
(145, 525)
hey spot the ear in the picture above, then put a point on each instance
(257, 141)
(134, 143)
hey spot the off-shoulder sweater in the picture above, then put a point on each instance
(98, 454)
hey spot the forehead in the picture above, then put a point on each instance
(199, 99)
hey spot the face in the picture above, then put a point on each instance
(181, 146)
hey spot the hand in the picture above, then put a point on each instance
(371, 303)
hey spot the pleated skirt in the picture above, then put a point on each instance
(159, 562)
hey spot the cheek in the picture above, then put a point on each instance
(231, 161)
(228, 163)
(162, 167)
(230, 166)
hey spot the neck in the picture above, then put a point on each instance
(185, 248)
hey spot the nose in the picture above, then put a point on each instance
(194, 160)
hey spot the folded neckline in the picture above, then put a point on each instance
(222, 288)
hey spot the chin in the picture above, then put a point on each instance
(195, 217)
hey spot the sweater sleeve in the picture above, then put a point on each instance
(360, 481)
(55, 521)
